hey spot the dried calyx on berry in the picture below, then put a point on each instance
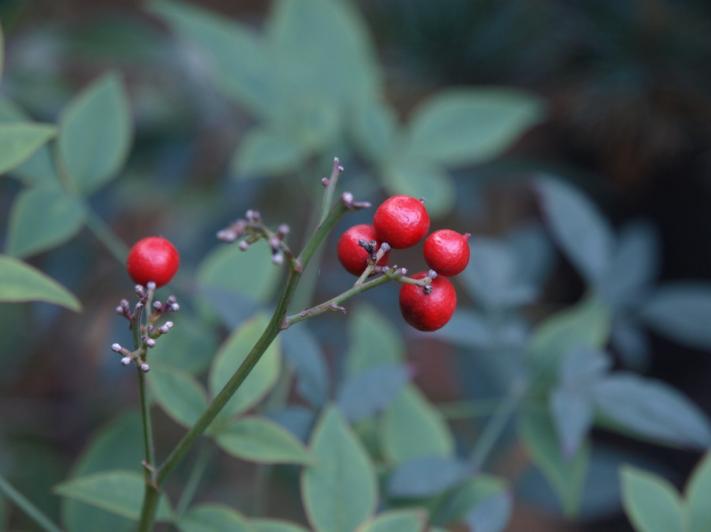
(148, 321)
(250, 229)
(358, 247)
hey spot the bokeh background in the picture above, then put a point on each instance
(625, 86)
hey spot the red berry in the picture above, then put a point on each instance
(351, 254)
(428, 312)
(401, 221)
(447, 252)
(152, 259)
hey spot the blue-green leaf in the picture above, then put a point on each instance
(698, 509)
(578, 227)
(95, 134)
(213, 518)
(421, 179)
(304, 355)
(370, 391)
(680, 310)
(396, 521)
(178, 393)
(373, 340)
(652, 409)
(268, 153)
(426, 476)
(42, 218)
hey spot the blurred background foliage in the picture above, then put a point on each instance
(571, 138)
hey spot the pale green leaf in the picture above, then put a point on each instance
(119, 492)
(651, 503)
(698, 493)
(396, 521)
(95, 134)
(413, 428)
(18, 141)
(20, 282)
(267, 153)
(375, 129)
(469, 126)
(260, 440)
(230, 357)
(213, 518)
(42, 218)
(178, 393)
(339, 490)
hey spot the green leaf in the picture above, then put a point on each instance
(421, 179)
(492, 514)
(373, 340)
(95, 134)
(339, 489)
(698, 509)
(274, 525)
(39, 168)
(413, 428)
(370, 391)
(306, 358)
(396, 521)
(651, 503)
(247, 75)
(260, 440)
(189, 346)
(20, 282)
(322, 53)
(454, 505)
(458, 127)
(243, 273)
(267, 153)
(587, 324)
(578, 227)
(43, 218)
(232, 354)
(375, 129)
(572, 413)
(178, 393)
(213, 518)
(18, 141)
(679, 311)
(106, 451)
(565, 474)
(652, 409)
(120, 492)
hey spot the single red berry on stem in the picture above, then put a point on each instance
(401, 221)
(153, 259)
(428, 312)
(447, 252)
(352, 255)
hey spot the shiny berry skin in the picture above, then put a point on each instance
(352, 255)
(152, 259)
(428, 312)
(447, 252)
(401, 221)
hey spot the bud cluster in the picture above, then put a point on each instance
(147, 320)
(251, 229)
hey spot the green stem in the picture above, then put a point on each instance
(26, 506)
(495, 426)
(273, 328)
(106, 236)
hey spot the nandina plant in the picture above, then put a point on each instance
(427, 300)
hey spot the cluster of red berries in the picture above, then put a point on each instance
(401, 222)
